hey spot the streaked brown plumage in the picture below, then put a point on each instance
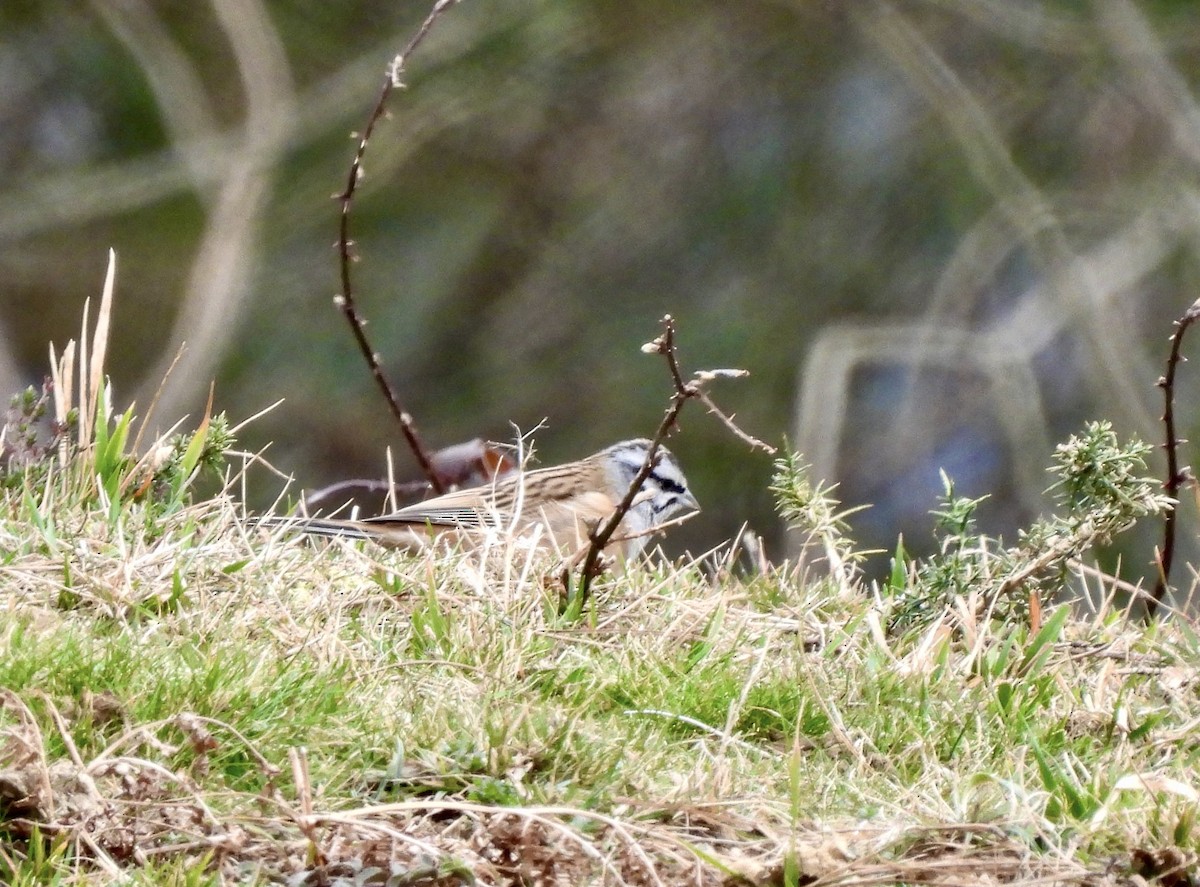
(556, 507)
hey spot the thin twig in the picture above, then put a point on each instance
(729, 423)
(1175, 475)
(345, 301)
(602, 534)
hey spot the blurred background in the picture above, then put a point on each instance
(938, 233)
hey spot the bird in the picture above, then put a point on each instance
(557, 507)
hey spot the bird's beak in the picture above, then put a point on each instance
(689, 501)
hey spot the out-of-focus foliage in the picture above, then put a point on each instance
(939, 234)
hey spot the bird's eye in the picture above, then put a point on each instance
(667, 484)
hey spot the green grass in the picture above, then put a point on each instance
(189, 699)
(252, 706)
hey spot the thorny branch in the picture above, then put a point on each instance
(345, 301)
(664, 344)
(1175, 475)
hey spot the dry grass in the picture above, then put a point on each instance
(245, 706)
(188, 698)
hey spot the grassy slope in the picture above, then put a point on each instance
(192, 701)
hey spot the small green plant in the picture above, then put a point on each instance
(30, 439)
(91, 451)
(810, 509)
(187, 456)
(960, 563)
(1101, 490)
(163, 477)
(109, 461)
(45, 862)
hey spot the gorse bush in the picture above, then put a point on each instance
(1101, 490)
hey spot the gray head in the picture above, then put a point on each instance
(664, 492)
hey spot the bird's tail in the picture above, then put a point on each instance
(314, 526)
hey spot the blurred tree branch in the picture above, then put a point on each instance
(345, 300)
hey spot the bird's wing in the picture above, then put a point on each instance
(465, 509)
(462, 517)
